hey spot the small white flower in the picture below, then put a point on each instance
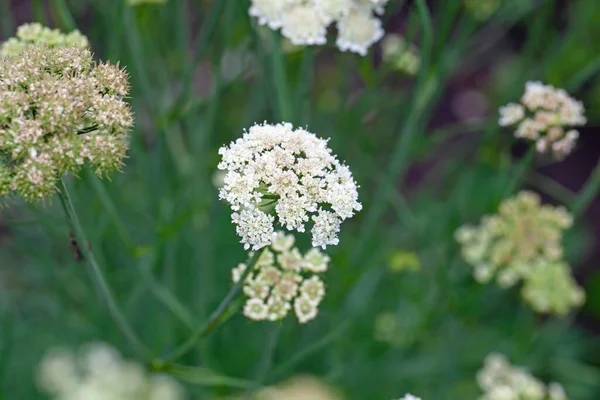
(313, 289)
(305, 310)
(282, 242)
(358, 30)
(290, 260)
(237, 272)
(510, 114)
(255, 228)
(315, 261)
(256, 309)
(331, 10)
(303, 25)
(269, 12)
(409, 396)
(325, 229)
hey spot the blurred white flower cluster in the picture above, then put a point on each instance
(291, 173)
(544, 116)
(98, 372)
(500, 380)
(283, 279)
(409, 396)
(139, 2)
(298, 388)
(523, 242)
(36, 33)
(305, 22)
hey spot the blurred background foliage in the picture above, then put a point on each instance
(402, 312)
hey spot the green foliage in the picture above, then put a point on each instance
(201, 72)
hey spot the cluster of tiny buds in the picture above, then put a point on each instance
(305, 22)
(400, 55)
(545, 116)
(59, 110)
(274, 169)
(36, 33)
(97, 371)
(282, 279)
(499, 380)
(522, 242)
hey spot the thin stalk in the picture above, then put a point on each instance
(284, 109)
(587, 194)
(217, 316)
(551, 187)
(61, 8)
(98, 276)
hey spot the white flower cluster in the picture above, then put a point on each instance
(305, 22)
(501, 381)
(544, 116)
(400, 55)
(98, 372)
(274, 168)
(284, 278)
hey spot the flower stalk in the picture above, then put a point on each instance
(98, 276)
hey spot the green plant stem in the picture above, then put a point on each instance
(217, 316)
(587, 194)
(284, 110)
(98, 276)
(551, 187)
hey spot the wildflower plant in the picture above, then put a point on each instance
(305, 22)
(523, 242)
(499, 380)
(59, 110)
(545, 115)
(291, 173)
(283, 279)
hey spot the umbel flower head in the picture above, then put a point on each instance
(545, 116)
(36, 33)
(97, 371)
(305, 22)
(291, 173)
(499, 380)
(284, 279)
(59, 110)
(522, 242)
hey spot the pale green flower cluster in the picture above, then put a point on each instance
(99, 372)
(36, 33)
(522, 242)
(283, 279)
(499, 380)
(59, 110)
(400, 55)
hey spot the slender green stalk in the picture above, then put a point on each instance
(266, 361)
(587, 194)
(61, 8)
(207, 377)
(551, 187)
(284, 109)
(98, 276)
(217, 316)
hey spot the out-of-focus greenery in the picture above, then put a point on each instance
(201, 72)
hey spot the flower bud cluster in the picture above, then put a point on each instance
(500, 380)
(291, 173)
(305, 22)
(59, 110)
(283, 279)
(99, 372)
(400, 55)
(544, 116)
(522, 242)
(36, 33)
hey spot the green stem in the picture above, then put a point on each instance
(284, 110)
(551, 187)
(217, 316)
(587, 194)
(98, 276)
